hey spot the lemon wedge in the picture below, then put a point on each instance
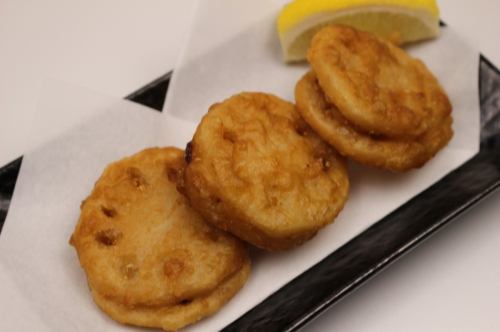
(401, 21)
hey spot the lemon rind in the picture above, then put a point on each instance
(295, 11)
(329, 17)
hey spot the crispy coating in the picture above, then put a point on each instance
(388, 153)
(255, 169)
(174, 317)
(376, 85)
(140, 243)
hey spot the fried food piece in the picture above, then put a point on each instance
(388, 153)
(255, 169)
(141, 244)
(172, 318)
(375, 85)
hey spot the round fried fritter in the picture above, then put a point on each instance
(255, 169)
(388, 153)
(376, 85)
(140, 243)
(172, 318)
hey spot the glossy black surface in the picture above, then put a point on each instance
(291, 307)
(489, 97)
(153, 94)
(8, 178)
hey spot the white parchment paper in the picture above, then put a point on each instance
(42, 286)
(234, 47)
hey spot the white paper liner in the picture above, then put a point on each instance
(40, 271)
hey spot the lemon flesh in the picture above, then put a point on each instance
(401, 21)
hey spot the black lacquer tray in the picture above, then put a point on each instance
(306, 296)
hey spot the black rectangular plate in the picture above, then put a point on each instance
(306, 296)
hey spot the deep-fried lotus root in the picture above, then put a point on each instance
(174, 317)
(375, 85)
(255, 169)
(140, 243)
(378, 151)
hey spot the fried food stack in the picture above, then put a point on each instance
(160, 236)
(373, 102)
(150, 259)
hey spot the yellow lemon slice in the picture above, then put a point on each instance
(400, 21)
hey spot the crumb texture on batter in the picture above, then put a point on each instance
(257, 170)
